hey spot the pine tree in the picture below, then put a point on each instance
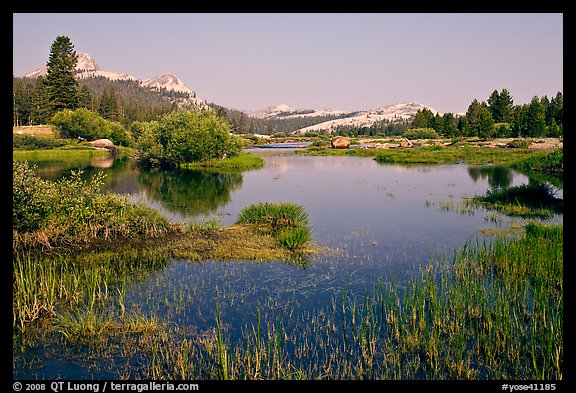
(472, 114)
(86, 100)
(61, 85)
(501, 106)
(450, 125)
(109, 107)
(535, 118)
(555, 109)
(485, 122)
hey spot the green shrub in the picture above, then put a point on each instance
(81, 123)
(421, 133)
(72, 210)
(187, 136)
(28, 142)
(518, 144)
(139, 128)
(89, 125)
(502, 130)
(119, 135)
(31, 203)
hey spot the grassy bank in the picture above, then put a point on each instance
(57, 154)
(434, 154)
(60, 227)
(239, 162)
(529, 200)
(490, 311)
(550, 162)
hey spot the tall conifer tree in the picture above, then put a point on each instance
(61, 85)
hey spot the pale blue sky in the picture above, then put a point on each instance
(338, 61)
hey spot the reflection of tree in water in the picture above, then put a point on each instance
(189, 192)
(498, 177)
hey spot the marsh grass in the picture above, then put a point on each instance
(237, 163)
(529, 200)
(211, 223)
(472, 155)
(489, 311)
(288, 223)
(58, 154)
(543, 161)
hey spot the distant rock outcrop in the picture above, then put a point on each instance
(340, 142)
(103, 143)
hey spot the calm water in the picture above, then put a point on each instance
(378, 221)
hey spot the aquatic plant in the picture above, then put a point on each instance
(236, 163)
(544, 161)
(528, 200)
(288, 223)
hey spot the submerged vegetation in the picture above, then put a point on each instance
(491, 311)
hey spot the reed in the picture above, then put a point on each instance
(238, 162)
(529, 200)
(491, 311)
(288, 223)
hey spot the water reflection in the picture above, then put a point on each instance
(189, 192)
(497, 176)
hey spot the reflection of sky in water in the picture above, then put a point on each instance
(373, 217)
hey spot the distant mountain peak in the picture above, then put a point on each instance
(86, 63)
(86, 67)
(394, 112)
(167, 81)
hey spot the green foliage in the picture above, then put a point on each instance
(536, 118)
(485, 122)
(501, 106)
(30, 101)
(109, 107)
(287, 222)
(119, 135)
(528, 200)
(421, 133)
(28, 142)
(72, 211)
(237, 163)
(293, 238)
(546, 161)
(139, 128)
(502, 130)
(31, 204)
(519, 143)
(61, 84)
(187, 136)
(89, 125)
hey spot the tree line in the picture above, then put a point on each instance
(36, 101)
(498, 117)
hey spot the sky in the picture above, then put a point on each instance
(342, 61)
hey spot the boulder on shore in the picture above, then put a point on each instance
(340, 142)
(103, 143)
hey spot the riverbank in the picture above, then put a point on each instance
(474, 155)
